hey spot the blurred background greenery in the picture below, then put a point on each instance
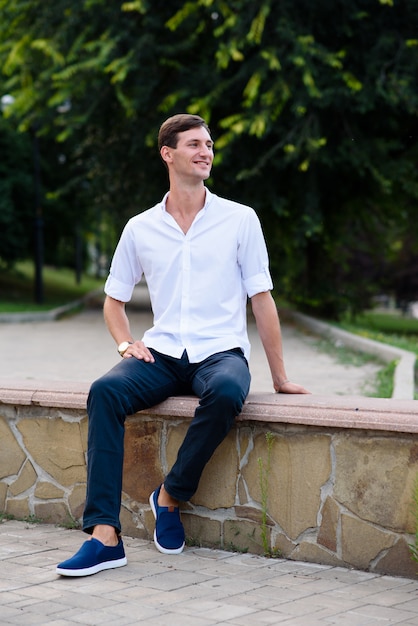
(312, 106)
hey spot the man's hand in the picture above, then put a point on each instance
(289, 387)
(140, 351)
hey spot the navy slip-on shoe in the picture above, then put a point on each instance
(93, 557)
(169, 531)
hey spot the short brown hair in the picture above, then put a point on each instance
(178, 124)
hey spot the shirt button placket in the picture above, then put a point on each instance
(185, 294)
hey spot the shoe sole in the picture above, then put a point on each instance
(159, 547)
(88, 571)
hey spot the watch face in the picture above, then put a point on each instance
(123, 346)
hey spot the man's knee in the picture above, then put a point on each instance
(106, 392)
(98, 389)
(228, 392)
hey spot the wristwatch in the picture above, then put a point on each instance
(122, 347)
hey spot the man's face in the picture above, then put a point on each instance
(193, 155)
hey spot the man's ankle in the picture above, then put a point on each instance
(106, 535)
(164, 498)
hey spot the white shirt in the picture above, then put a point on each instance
(199, 281)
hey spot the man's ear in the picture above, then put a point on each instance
(165, 153)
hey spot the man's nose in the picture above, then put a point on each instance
(205, 150)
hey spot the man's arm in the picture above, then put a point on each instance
(117, 323)
(268, 326)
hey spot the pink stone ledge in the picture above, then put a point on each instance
(384, 414)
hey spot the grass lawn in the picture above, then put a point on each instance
(17, 288)
(391, 328)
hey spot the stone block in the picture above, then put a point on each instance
(52, 512)
(313, 553)
(148, 521)
(327, 535)
(219, 478)
(397, 561)
(76, 501)
(283, 546)
(244, 536)
(56, 446)
(253, 514)
(84, 424)
(12, 456)
(375, 479)
(131, 524)
(361, 542)
(142, 471)
(3, 494)
(25, 480)
(202, 531)
(175, 436)
(18, 507)
(48, 491)
(299, 467)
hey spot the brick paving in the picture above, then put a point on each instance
(200, 587)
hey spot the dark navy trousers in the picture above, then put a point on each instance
(221, 383)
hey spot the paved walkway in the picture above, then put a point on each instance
(200, 587)
(79, 348)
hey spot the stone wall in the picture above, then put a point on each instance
(327, 480)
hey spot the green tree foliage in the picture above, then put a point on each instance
(317, 106)
(15, 198)
(313, 106)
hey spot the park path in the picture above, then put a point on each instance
(79, 348)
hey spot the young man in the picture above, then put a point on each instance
(202, 257)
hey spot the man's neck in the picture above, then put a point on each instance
(185, 203)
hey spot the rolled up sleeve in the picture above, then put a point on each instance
(253, 256)
(125, 270)
(118, 290)
(258, 283)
